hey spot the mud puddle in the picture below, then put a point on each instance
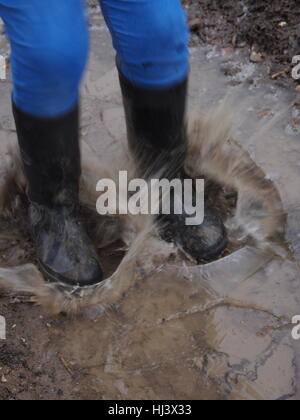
(82, 356)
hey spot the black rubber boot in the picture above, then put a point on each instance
(51, 158)
(157, 138)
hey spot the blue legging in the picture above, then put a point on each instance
(50, 42)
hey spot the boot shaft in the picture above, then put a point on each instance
(155, 127)
(51, 156)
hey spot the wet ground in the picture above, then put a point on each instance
(221, 332)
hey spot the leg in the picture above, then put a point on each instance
(49, 43)
(151, 41)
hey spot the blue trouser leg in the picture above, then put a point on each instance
(49, 42)
(151, 40)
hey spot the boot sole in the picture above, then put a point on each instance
(55, 278)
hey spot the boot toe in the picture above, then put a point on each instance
(204, 243)
(65, 252)
(209, 240)
(82, 275)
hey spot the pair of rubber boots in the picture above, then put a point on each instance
(51, 157)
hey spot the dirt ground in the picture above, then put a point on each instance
(272, 27)
(171, 336)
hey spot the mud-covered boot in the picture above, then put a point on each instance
(157, 138)
(51, 158)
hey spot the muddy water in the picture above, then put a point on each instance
(222, 331)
